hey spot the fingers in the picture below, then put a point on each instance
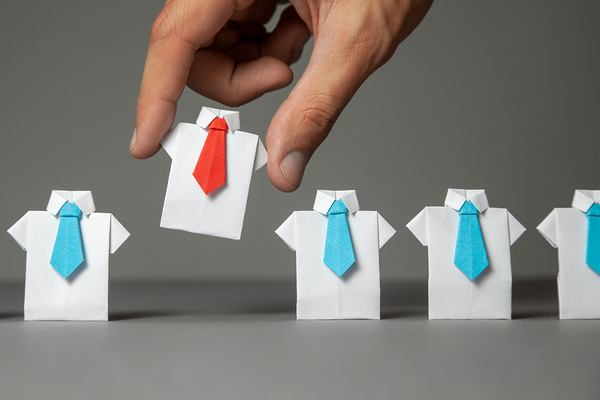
(249, 69)
(217, 76)
(259, 12)
(287, 39)
(180, 29)
(226, 38)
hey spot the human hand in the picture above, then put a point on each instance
(220, 49)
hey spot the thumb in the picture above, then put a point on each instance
(306, 117)
(352, 40)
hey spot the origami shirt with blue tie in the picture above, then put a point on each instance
(578, 284)
(321, 293)
(84, 294)
(452, 294)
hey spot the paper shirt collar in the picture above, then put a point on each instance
(207, 114)
(83, 199)
(584, 199)
(457, 197)
(325, 199)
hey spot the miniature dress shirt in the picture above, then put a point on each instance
(452, 294)
(84, 294)
(578, 284)
(321, 293)
(186, 206)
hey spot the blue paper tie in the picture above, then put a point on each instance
(592, 254)
(339, 253)
(470, 255)
(68, 249)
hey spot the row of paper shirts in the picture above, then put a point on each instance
(321, 292)
(79, 289)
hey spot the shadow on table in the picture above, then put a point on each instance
(128, 316)
(403, 300)
(533, 298)
(11, 315)
(164, 300)
(399, 300)
(11, 301)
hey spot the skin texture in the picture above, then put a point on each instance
(220, 49)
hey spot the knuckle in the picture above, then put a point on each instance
(319, 115)
(163, 27)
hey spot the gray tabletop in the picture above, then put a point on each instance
(241, 340)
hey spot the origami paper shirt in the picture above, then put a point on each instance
(452, 294)
(84, 294)
(221, 212)
(578, 284)
(322, 294)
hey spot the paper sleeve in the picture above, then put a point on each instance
(549, 228)
(169, 142)
(515, 228)
(287, 231)
(260, 159)
(19, 231)
(118, 234)
(386, 231)
(418, 226)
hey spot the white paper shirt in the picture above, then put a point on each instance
(578, 284)
(220, 213)
(452, 295)
(84, 294)
(321, 293)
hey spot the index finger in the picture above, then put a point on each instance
(181, 28)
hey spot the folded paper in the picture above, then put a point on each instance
(339, 253)
(51, 291)
(68, 248)
(574, 231)
(220, 212)
(592, 251)
(210, 171)
(454, 293)
(321, 292)
(470, 254)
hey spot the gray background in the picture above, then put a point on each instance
(496, 95)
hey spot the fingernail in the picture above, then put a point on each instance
(293, 165)
(132, 144)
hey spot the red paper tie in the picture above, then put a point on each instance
(210, 168)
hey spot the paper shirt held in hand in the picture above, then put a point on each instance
(337, 257)
(67, 257)
(212, 165)
(575, 231)
(469, 256)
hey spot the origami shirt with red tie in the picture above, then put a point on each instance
(220, 213)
